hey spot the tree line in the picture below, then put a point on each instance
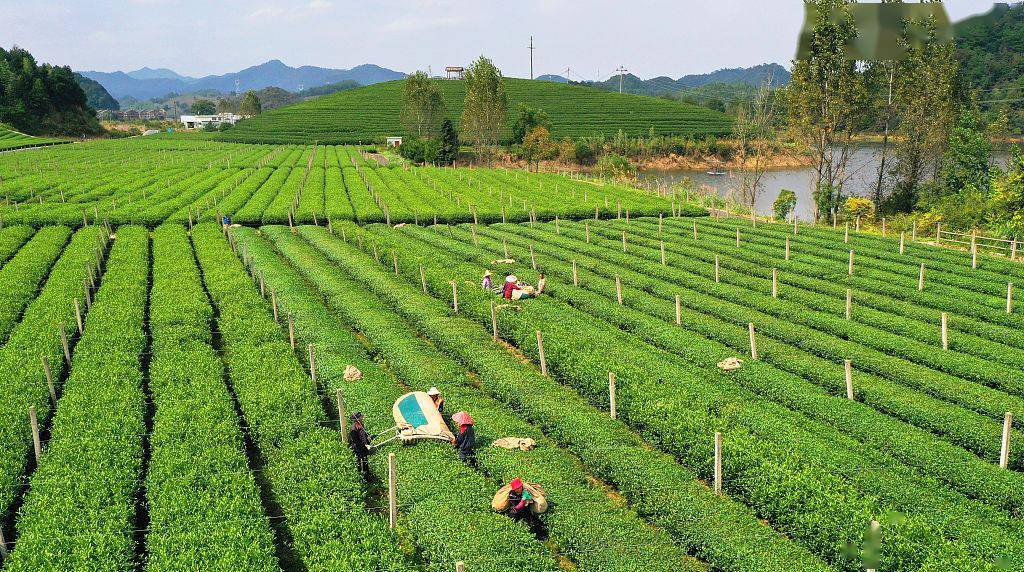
(42, 99)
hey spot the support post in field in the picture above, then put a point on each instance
(49, 379)
(618, 289)
(423, 279)
(846, 234)
(344, 235)
(376, 255)
(586, 230)
(938, 234)
(273, 305)
(679, 310)
(494, 322)
(794, 225)
(392, 492)
(473, 230)
(575, 275)
(849, 303)
(341, 416)
(775, 282)
(394, 261)
(1004, 450)
(312, 363)
(718, 270)
(330, 227)
(611, 395)
(903, 247)
(291, 330)
(597, 211)
(1013, 250)
(64, 345)
(974, 250)
(263, 285)
(1009, 297)
(848, 366)
(851, 263)
(737, 237)
(504, 246)
(913, 231)
(540, 354)
(3, 541)
(787, 248)
(37, 444)
(718, 462)
(623, 241)
(858, 223)
(78, 317)
(533, 259)
(558, 229)
(945, 331)
(695, 230)
(884, 233)
(88, 294)
(660, 221)
(455, 296)
(920, 279)
(753, 340)
(663, 253)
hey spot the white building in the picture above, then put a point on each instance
(394, 141)
(201, 121)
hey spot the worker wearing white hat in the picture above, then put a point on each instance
(435, 396)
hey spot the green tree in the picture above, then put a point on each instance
(448, 150)
(203, 107)
(966, 163)
(423, 108)
(251, 105)
(1006, 206)
(784, 204)
(225, 105)
(525, 120)
(486, 106)
(826, 98)
(537, 146)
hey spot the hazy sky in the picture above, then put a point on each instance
(593, 37)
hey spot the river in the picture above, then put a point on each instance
(863, 169)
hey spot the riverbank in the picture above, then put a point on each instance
(673, 162)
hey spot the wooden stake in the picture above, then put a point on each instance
(679, 311)
(938, 234)
(920, 279)
(36, 443)
(623, 241)
(849, 379)
(64, 345)
(455, 296)
(494, 322)
(504, 246)
(1004, 451)
(611, 395)
(1009, 297)
(903, 247)
(718, 273)
(846, 235)
(78, 317)
(794, 225)
(49, 379)
(849, 303)
(423, 279)
(341, 416)
(3, 541)
(883, 227)
(263, 285)
(775, 282)
(851, 263)
(1013, 250)
(392, 492)
(787, 248)
(575, 276)
(394, 260)
(540, 353)
(586, 229)
(974, 250)
(695, 230)
(273, 305)
(618, 289)
(945, 331)
(291, 331)
(533, 260)
(312, 363)
(737, 237)
(753, 341)
(660, 221)
(718, 462)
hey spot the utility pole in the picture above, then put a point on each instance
(568, 70)
(621, 71)
(531, 48)
(236, 86)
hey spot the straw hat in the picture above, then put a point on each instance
(511, 278)
(433, 391)
(487, 272)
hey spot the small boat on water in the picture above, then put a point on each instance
(716, 172)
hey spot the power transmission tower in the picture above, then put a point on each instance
(621, 71)
(567, 71)
(531, 48)
(236, 86)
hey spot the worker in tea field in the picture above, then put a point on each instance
(519, 501)
(226, 220)
(360, 441)
(511, 285)
(435, 395)
(487, 284)
(466, 439)
(542, 283)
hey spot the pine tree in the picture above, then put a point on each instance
(448, 151)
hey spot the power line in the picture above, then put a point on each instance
(531, 48)
(622, 70)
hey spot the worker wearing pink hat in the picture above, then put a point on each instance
(466, 439)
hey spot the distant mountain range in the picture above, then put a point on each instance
(147, 83)
(665, 85)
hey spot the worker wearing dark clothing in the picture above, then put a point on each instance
(360, 441)
(465, 442)
(519, 501)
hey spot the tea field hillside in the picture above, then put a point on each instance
(369, 114)
(11, 140)
(704, 393)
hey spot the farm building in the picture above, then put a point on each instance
(201, 121)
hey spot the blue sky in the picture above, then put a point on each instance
(200, 37)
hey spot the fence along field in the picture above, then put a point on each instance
(188, 181)
(372, 113)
